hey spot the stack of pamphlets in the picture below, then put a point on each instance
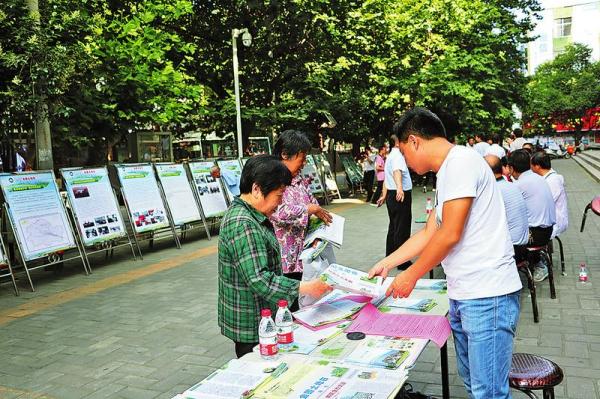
(432, 285)
(235, 379)
(333, 233)
(355, 281)
(332, 308)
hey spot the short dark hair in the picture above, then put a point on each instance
(419, 121)
(495, 163)
(470, 137)
(290, 143)
(496, 138)
(393, 140)
(267, 171)
(541, 159)
(518, 132)
(382, 147)
(519, 160)
(529, 148)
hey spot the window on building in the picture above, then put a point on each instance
(562, 27)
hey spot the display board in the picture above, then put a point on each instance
(352, 169)
(178, 193)
(209, 189)
(231, 172)
(309, 172)
(325, 168)
(94, 204)
(140, 188)
(37, 213)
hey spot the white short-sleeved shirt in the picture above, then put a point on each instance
(538, 198)
(557, 187)
(496, 150)
(396, 161)
(517, 144)
(516, 211)
(481, 264)
(481, 148)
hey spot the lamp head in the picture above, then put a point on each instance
(247, 39)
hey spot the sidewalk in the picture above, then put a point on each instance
(148, 329)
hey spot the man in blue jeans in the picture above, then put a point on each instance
(468, 234)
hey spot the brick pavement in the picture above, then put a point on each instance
(138, 330)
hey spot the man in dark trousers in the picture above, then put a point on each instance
(397, 194)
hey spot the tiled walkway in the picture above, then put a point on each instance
(147, 329)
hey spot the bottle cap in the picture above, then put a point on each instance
(265, 313)
(282, 303)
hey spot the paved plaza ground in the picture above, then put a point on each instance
(148, 329)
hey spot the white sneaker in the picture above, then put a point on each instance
(540, 274)
(372, 204)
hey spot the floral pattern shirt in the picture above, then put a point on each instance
(290, 221)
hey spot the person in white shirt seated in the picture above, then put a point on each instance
(541, 213)
(496, 149)
(481, 146)
(517, 140)
(541, 164)
(515, 207)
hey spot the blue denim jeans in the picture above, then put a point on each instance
(483, 332)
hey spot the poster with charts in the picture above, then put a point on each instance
(93, 201)
(231, 172)
(178, 193)
(323, 165)
(143, 197)
(40, 221)
(209, 188)
(310, 173)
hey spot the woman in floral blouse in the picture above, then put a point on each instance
(298, 204)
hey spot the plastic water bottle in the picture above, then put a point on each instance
(283, 322)
(583, 273)
(428, 206)
(267, 336)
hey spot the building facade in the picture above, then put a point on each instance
(564, 22)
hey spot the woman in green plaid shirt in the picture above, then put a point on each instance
(250, 274)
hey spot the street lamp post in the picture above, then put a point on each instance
(247, 41)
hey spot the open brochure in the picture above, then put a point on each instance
(332, 381)
(333, 233)
(355, 281)
(334, 307)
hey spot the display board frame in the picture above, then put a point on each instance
(48, 256)
(188, 225)
(328, 178)
(5, 260)
(109, 244)
(350, 166)
(146, 234)
(222, 164)
(311, 173)
(205, 168)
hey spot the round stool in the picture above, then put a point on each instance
(531, 372)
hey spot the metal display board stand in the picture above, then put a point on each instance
(353, 172)
(209, 190)
(5, 261)
(232, 166)
(109, 244)
(327, 176)
(191, 224)
(51, 257)
(150, 234)
(310, 172)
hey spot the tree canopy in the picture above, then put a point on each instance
(120, 66)
(562, 90)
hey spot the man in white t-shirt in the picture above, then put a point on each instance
(481, 146)
(397, 194)
(517, 140)
(496, 148)
(468, 234)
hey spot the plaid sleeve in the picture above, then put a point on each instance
(257, 266)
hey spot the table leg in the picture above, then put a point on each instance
(445, 378)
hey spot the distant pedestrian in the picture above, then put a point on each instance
(379, 173)
(481, 145)
(397, 195)
(368, 166)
